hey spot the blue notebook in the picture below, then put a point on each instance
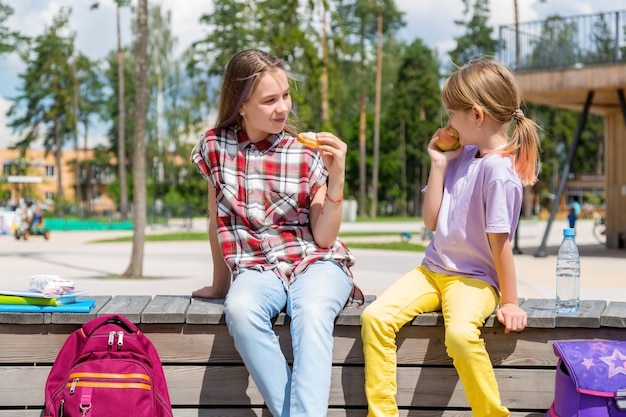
(80, 306)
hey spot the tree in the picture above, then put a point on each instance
(163, 81)
(518, 57)
(410, 118)
(135, 267)
(477, 41)
(88, 101)
(121, 111)
(46, 94)
(367, 22)
(121, 139)
(9, 40)
(557, 45)
(118, 120)
(230, 30)
(604, 42)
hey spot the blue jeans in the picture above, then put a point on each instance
(313, 302)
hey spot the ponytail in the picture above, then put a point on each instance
(525, 147)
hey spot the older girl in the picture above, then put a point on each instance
(275, 210)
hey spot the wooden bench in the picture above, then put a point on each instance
(206, 377)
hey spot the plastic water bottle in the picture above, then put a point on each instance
(568, 274)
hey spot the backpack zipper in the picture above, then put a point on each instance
(61, 406)
(108, 380)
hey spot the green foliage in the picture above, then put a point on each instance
(9, 39)
(46, 94)
(410, 119)
(477, 41)
(111, 101)
(60, 88)
(557, 44)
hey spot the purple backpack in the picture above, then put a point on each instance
(107, 368)
(590, 379)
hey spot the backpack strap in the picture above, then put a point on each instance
(620, 399)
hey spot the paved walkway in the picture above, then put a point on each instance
(181, 267)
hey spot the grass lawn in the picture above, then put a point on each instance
(380, 241)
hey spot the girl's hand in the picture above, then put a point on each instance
(512, 317)
(333, 151)
(209, 292)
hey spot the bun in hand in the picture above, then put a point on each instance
(308, 139)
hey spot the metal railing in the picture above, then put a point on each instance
(564, 42)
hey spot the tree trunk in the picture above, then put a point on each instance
(362, 152)
(75, 105)
(87, 167)
(135, 268)
(121, 123)
(379, 74)
(58, 143)
(403, 175)
(324, 75)
(517, 40)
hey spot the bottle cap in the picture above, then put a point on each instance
(569, 232)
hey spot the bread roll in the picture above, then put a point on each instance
(308, 139)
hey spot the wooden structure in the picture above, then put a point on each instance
(578, 63)
(603, 86)
(206, 377)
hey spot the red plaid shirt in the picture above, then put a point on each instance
(264, 192)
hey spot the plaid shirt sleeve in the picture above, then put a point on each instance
(198, 158)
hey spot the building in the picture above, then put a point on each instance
(35, 177)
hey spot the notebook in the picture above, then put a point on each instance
(39, 301)
(79, 306)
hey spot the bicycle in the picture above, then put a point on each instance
(599, 229)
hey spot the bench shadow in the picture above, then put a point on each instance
(227, 386)
(438, 379)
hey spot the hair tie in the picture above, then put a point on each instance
(518, 115)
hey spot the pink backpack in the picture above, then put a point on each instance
(107, 368)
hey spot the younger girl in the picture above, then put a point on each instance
(472, 201)
(275, 209)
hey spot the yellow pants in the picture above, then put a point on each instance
(465, 304)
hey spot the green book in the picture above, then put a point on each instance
(37, 301)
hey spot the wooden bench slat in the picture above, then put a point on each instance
(131, 306)
(166, 309)
(205, 311)
(219, 385)
(614, 315)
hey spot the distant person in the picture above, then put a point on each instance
(571, 218)
(472, 201)
(577, 207)
(275, 210)
(36, 220)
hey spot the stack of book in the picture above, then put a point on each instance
(46, 294)
(35, 302)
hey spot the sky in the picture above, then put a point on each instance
(430, 20)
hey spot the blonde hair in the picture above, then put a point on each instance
(241, 77)
(491, 86)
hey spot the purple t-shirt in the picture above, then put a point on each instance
(481, 195)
